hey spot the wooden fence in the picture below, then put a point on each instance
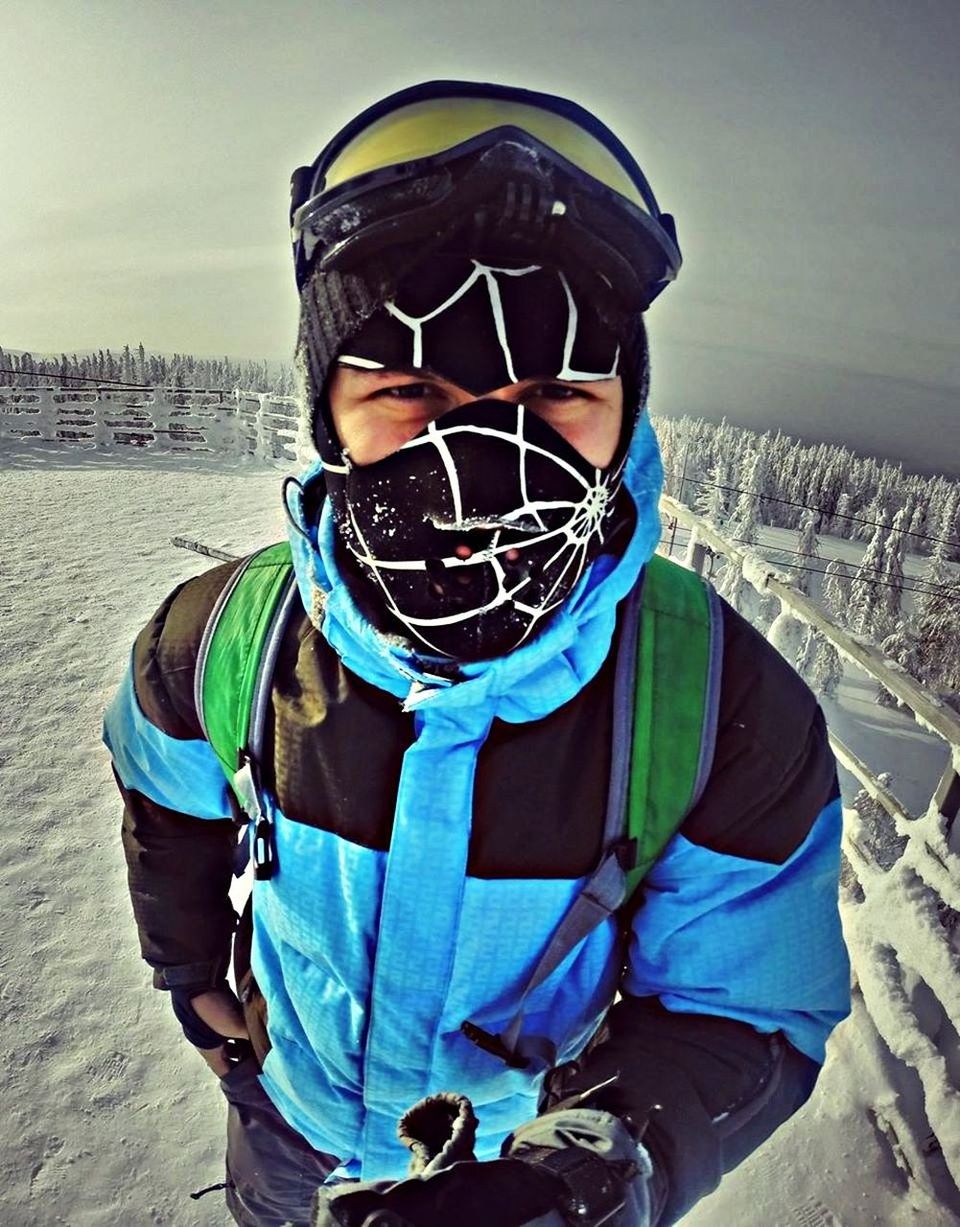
(903, 919)
(184, 421)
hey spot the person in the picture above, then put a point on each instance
(436, 765)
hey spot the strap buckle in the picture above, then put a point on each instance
(627, 850)
(247, 785)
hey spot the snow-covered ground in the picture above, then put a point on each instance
(109, 1118)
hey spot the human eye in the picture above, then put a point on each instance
(557, 392)
(411, 393)
(403, 391)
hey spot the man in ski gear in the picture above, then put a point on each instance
(538, 824)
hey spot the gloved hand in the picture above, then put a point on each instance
(576, 1166)
(212, 1020)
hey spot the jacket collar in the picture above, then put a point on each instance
(524, 684)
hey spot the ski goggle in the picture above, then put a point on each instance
(539, 175)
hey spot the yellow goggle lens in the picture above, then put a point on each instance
(422, 129)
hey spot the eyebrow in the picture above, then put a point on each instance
(386, 372)
(424, 372)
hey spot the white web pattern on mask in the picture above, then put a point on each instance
(489, 275)
(583, 522)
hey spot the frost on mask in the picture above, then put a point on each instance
(479, 527)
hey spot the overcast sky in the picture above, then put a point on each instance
(810, 152)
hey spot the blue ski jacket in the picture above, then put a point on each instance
(369, 952)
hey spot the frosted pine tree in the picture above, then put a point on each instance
(902, 646)
(948, 527)
(827, 672)
(712, 497)
(865, 589)
(938, 636)
(918, 528)
(807, 549)
(837, 583)
(745, 518)
(731, 585)
(877, 830)
(843, 525)
(786, 634)
(807, 654)
(890, 595)
(934, 584)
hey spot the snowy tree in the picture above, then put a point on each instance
(878, 832)
(711, 501)
(902, 645)
(732, 586)
(827, 671)
(890, 595)
(938, 636)
(947, 526)
(837, 582)
(806, 654)
(745, 518)
(787, 634)
(917, 531)
(831, 486)
(843, 525)
(807, 549)
(865, 589)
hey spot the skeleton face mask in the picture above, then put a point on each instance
(480, 526)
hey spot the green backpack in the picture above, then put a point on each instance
(666, 695)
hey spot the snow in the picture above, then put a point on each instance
(786, 635)
(111, 1118)
(756, 570)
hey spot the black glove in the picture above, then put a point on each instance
(577, 1166)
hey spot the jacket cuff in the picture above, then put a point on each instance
(198, 976)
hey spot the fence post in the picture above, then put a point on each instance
(696, 556)
(160, 414)
(262, 450)
(946, 801)
(102, 433)
(48, 416)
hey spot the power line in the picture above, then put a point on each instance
(782, 549)
(880, 583)
(133, 387)
(772, 498)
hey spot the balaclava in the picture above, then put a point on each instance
(471, 534)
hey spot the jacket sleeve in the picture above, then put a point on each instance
(179, 829)
(736, 969)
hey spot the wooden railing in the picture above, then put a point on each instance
(178, 421)
(903, 923)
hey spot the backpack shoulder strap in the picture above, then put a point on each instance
(666, 692)
(676, 699)
(235, 665)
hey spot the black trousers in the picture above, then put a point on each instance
(272, 1171)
